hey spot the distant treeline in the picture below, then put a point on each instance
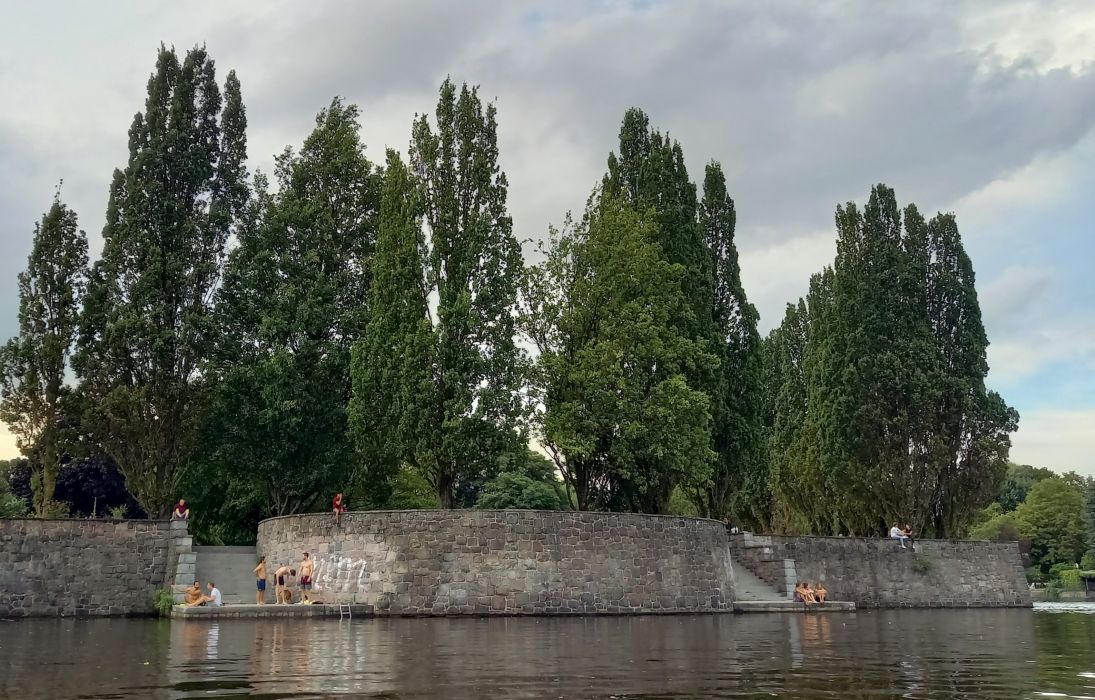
(360, 326)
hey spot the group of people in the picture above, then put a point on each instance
(810, 595)
(283, 582)
(902, 535)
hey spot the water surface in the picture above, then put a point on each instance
(1049, 652)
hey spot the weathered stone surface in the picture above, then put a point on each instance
(509, 562)
(877, 573)
(83, 567)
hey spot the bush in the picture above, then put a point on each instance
(513, 490)
(1034, 575)
(163, 600)
(1087, 563)
(119, 512)
(1052, 593)
(1070, 580)
(411, 492)
(1056, 570)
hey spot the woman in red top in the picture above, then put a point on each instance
(339, 508)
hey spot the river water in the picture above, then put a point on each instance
(1049, 652)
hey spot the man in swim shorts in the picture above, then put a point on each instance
(260, 582)
(306, 568)
(282, 594)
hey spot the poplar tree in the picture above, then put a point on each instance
(392, 364)
(293, 303)
(649, 172)
(471, 268)
(148, 323)
(739, 483)
(33, 364)
(618, 414)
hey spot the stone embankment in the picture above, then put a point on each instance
(877, 573)
(509, 562)
(85, 567)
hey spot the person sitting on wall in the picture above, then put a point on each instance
(182, 511)
(213, 600)
(802, 595)
(907, 531)
(820, 593)
(898, 534)
(338, 505)
(192, 596)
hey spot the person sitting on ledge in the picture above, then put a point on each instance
(802, 595)
(907, 531)
(214, 597)
(192, 596)
(896, 533)
(182, 511)
(820, 593)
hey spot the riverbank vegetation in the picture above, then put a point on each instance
(370, 326)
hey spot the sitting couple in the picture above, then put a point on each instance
(192, 597)
(810, 595)
(901, 534)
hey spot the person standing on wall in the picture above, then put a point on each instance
(260, 582)
(338, 505)
(306, 568)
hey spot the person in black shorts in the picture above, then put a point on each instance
(282, 594)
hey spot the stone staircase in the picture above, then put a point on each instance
(232, 569)
(761, 567)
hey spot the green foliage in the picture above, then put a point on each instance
(619, 415)
(162, 601)
(293, 303)
(119, 512)
(33, 364)
(738, 487)
(1018, 482)
(11, 506)
(1052, 517)
(54, 509)
(1087, 562)
(457, 401)
(147, 326)
(681, 504)
(1034, 574)
(1051, 593)
(1070, 580)
(1004, 527)
(887, 417)
(922, 564)
(411, 491)
(514, 490)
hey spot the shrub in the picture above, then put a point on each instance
(1034, 575)
(1070, 580)
(1087, 563)
(1052, 592)
(163, 600)
(119, 512)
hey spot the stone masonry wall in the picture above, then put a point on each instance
(939, 573)
(508, 562)
(84, 567)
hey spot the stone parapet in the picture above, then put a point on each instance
(472, 562)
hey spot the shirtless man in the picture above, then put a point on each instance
(193, 596)
(306, 566)
(281, 590)
(260, 582)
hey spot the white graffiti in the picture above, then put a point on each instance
(336, 573)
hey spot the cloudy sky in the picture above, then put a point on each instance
(981, 108)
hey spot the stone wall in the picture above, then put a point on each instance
(878, 573)
(508, 562)
(84, 567)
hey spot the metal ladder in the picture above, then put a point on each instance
(344, 610)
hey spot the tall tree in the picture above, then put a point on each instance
(33, 364)
(739, 483)
(293, 303)
(618, 414)
(393, 386)
(649, 173)
(898, 422)
(148, 320)
(472, 266)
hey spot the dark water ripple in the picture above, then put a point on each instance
(1046, 653)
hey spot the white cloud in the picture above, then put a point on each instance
(1057, 439)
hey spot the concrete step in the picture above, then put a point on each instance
(749, 587)
(784, 606)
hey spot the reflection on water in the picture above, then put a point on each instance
(912, 654)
